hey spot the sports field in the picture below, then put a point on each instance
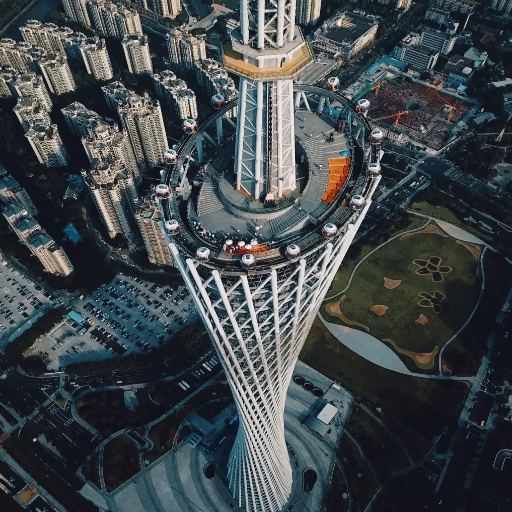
(414, 293)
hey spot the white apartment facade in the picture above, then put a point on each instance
(32, 85)
(57, 74)
(113, 191)
(96, 59)
(138, 56)
(47, 145)
(29, 112)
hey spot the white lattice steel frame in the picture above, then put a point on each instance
(265, 151)
(258, 322)
(267, 23)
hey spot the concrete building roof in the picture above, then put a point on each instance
(327, 413)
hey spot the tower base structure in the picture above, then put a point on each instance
(259, 272)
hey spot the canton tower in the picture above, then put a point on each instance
(258, 239)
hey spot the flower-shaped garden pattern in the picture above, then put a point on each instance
(432, 267)
(436, 301)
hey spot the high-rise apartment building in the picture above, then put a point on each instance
(19, 55)
(51, 255)
(71, 42)
(185, 50)
(138, 56)
(113, 20)
(47, 36)
(164, 8)
(47, 145)
(77, 11)
(113, 191)
(186, 105)
(173, 92)
(12, 192)
(308, 12)
(214, 79)
(107, 145)
(7, 82)
(30, 85)
(142, 120)
(81, 121)
(149, 219)
(29, 112)
(96, 58)
(57, 74)
(116, 94)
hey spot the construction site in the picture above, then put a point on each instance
(407, 110)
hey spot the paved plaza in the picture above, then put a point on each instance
(177, 481)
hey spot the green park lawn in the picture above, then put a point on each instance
(459, 286)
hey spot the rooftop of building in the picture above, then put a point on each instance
(347, 27)
(13, 209)
(424, 50)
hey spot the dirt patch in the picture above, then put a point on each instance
(423, 360)
(446, 370)
(379, 309)
(431, 229)
(474, 249)
(391, 284)
(422, 320)
(334, 309)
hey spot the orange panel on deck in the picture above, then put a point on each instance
(339, 169)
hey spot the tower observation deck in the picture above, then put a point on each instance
(258, 237)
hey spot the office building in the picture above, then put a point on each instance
(437, 40)
(173, 93)
(346, 33)
(138, 56)
(185, 50)
(150, 221)
(30, 85)
(308, 12)
(459, 68)
(57, 74)
(113, 191)
(81, 121)
(47, 145)
(214, 79)
(20, 56)
(419, 57)
(96, 58)
(12, 192)
(107, 145)
(29, 112)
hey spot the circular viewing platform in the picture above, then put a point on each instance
(331, 152)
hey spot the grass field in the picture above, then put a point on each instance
(426, 406)
(460, 285)
(379, 446)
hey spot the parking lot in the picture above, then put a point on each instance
(20, 300)
(126, 316)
